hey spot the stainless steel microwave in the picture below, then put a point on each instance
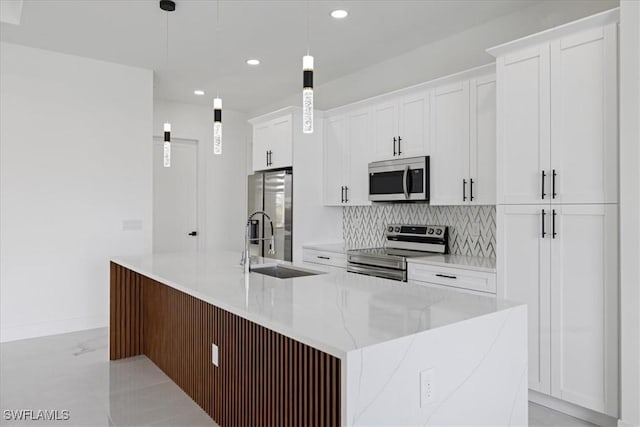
(399, 180)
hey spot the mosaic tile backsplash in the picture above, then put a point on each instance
(364, 226)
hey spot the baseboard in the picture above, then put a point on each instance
(625, 424)
(573, 410)
(52, 328)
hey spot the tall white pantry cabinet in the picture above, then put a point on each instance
(557, 213)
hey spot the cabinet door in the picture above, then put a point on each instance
(523, 126)
(385, 130)
(584, 301)
(359, 147)
(281, 142)
(524, 276)
(335, 159)
(261, 138)
(482, 147)
(413, 125)
(584, 137)
(450, 142)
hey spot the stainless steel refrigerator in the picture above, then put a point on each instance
(271, 192)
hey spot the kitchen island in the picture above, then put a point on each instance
(327, 349)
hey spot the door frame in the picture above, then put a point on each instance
(200, 195)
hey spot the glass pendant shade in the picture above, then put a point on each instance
(217, 126)
(307, 94)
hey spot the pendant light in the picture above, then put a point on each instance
(307, 86)
(167, 6)
(217, 102)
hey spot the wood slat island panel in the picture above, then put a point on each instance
(263, 379)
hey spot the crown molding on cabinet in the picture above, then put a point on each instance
(593, 21)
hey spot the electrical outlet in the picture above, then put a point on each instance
(214, 354)
(475, 229)
(427, 387)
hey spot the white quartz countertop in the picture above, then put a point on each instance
(475, 263)
(337, 247)
(333, 312)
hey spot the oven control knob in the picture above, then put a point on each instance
(397, 229)
(390, 229)
(439, 231)
(431, 230)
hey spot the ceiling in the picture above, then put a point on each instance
(133, 32)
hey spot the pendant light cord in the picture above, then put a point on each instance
(167, 44)
(308, 27)
(217, 43)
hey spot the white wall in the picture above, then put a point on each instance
(75, 158)
(447, 56)
(222, 179)
(630, 211)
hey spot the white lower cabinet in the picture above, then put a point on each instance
(562, 261)
(452, 277)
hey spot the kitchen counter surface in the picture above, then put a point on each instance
(475, 263)
(335, 312)
(337, 247)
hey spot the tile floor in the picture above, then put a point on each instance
(73, 372)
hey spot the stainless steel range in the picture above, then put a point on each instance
(402, 242)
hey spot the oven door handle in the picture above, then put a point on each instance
(405, 186)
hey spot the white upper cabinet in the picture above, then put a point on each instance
(450, 143)
(401, 127)
(557, 120)
(347, 153)
(272, 143)
(523, 126)
(463, 142)
(584, 148)
(482, 141)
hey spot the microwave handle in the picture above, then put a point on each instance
(405, 187)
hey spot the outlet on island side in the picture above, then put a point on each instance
(427, 387)
(214, 354)
(475, 229)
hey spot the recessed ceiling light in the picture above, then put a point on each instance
(253, 61)
(339, 14)
(198, 92)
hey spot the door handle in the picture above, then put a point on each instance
(399, 146)
(464, 190)
(471, 189)
(553, 184)
(446, 276)
(543, 215)
(193, 233)
(553, 224)
(394, 145)
(544, 175)
(405, 185)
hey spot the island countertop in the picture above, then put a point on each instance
(334, 312)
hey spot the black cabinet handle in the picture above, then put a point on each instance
(342, 194)
(323, 257)
(399, 150)
(346, 194)
(394, 145)
(446, 276)
(193, 233)
(267, 156)
(270, 157)
(544, 175)
(464, 190)
(543, 215)
(471, 189)
(553, 224)
(553, 184)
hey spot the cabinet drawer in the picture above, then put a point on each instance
(454, 277)
(325, 258)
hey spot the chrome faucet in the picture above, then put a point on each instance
(246, 257)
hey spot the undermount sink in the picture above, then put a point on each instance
(283, 272)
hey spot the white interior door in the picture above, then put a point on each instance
(175, 198)
(584, 306)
